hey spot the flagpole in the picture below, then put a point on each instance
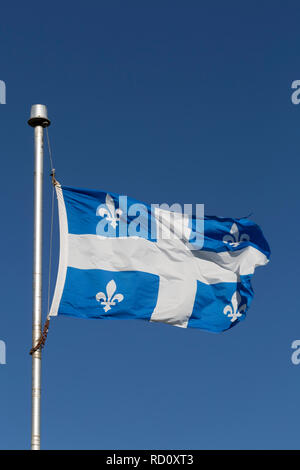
(38, 120)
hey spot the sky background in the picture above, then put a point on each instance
(165, 101)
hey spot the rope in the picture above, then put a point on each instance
(54, 180)
(41, 342)
(49, 148)
(52, 174)
(54, 183)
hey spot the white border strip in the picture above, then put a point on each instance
(63, 255)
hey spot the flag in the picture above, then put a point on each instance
(123, 259)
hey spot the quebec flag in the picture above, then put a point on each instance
(119, 259)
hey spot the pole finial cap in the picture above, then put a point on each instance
(39, 116)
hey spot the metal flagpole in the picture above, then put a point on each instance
(38, 120)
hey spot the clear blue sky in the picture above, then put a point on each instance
(166, 101)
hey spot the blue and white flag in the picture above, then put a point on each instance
(120, 259)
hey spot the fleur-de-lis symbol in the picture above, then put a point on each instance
(109, 299)
(235, 310)
(234, 238)
(108, 209)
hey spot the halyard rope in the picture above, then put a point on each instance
(42, 340)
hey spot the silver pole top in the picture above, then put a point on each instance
(39, 116)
